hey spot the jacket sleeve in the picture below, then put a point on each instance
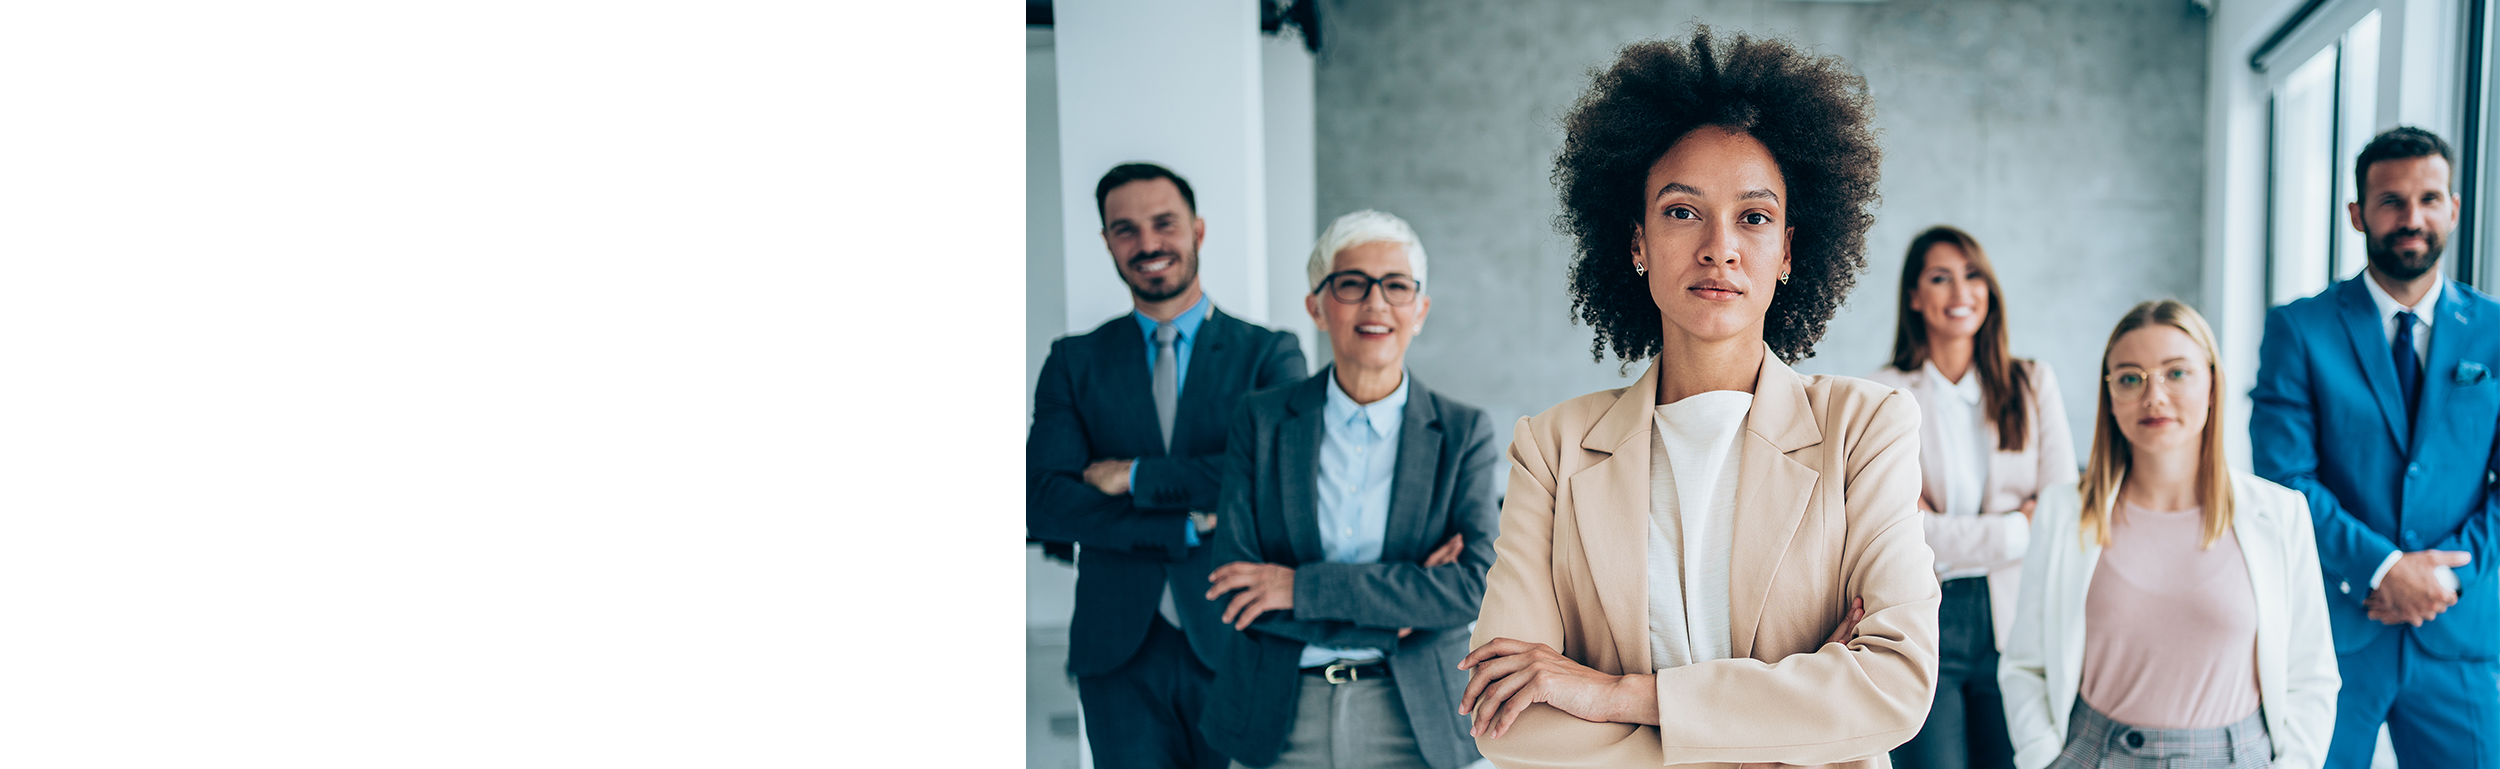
(1404, 595)
(1842, 701)
(1978, 541)
(2283, 436)
(1236, 540)
(2312, 679)
(1188, 482)
(1520, 603)
(2022, 669)
(1059, 504)
(2478, 535)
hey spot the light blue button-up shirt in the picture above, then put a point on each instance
(1188, 322)
(1358, 457)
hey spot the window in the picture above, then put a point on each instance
(2324, 110)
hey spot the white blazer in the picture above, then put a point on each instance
(2046, 460)
(2041, 670)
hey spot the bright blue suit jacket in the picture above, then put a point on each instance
(2329, 423)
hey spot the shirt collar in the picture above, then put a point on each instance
(2387, 306)
(1966, 391)
(1385, 414)
(1187, 322)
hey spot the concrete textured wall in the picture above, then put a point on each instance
(2068, 137)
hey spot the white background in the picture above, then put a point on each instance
(513, 383)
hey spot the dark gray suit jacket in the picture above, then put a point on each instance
(1269, 513)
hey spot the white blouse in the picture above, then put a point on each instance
(1966, 437)
(1692, 509)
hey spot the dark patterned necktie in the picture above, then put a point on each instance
(2408, 367)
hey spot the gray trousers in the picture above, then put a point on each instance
(1353, 725)
(2093, 741)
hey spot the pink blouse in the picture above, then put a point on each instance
(2170, 630)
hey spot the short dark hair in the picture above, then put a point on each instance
(1138, 172)
(1811, 112)
(2399, 143)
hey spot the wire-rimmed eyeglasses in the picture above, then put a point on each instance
(2128, 383)
(1355, 287)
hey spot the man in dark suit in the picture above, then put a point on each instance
(1359, 521)
(1128, 427)
(2375, 400)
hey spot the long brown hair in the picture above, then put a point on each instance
(2004, 388)
(2111, 456)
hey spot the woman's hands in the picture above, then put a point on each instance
(1510, 675)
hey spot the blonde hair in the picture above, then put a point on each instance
(2112, 455)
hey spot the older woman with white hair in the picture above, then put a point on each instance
(1355, 526)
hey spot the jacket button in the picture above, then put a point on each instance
(2347, 586)
(2135, 739)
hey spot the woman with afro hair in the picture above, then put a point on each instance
(1722, 563)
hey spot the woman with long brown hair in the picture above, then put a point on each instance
(2171, 613)
(1992, 434)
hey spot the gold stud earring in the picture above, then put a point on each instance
(1637, 269)
(1783, 278)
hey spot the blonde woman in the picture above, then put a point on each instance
(2170, 613)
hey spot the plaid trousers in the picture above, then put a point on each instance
(2093, 741)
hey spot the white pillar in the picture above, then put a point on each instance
(1292, 189)
(1176, 84)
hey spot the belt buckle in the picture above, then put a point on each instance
(1334, 668)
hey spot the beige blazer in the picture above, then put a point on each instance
(2041, 673)
(1827, 494)
(2046, 460)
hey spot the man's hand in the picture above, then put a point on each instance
(1264, 587)
(1110, 476)
(2410, 594)
(2029, 505)
(1448, 552)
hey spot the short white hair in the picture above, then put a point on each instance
(1358, 228)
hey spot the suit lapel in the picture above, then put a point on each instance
(1932, 464)
(2259, 552)
(1410, 534)
(2447, 343)
(1298, 457)
(1611, 502)
(1128, 387)
(1209, 369)
(2378, 363)
(1773, 492)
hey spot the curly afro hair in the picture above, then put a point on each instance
(1811, 113)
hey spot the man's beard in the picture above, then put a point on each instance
(1178, 278)
(2399, 266)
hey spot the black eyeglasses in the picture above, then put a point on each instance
(1354, 287)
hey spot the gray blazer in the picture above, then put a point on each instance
(1268, 512)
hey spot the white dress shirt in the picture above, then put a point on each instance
(1692, 509)
(2425, 312)
(1358, 457)
(1966, 437)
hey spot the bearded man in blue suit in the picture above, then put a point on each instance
(2375, 400)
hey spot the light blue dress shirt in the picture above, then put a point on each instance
(1188, 323)
(1358, 457)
